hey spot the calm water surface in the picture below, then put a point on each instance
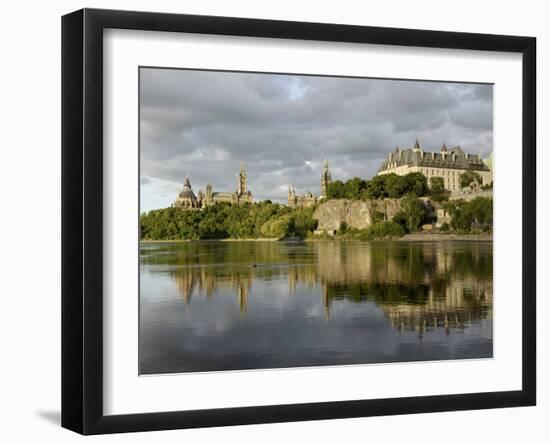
(208, 306)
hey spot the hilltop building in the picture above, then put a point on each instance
(309, 198)
(304, 200)
(241, 195)
(187, 199)
(447, 164)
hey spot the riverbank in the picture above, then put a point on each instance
(427, 236)
(416, 237)
(216, 240)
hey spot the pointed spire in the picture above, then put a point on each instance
(325, 164)
(396, 149)
(443, 147)
(416, 146)
(187, 183)
(242, 167)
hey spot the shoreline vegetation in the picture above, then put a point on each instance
(415, 220)
(416, 237)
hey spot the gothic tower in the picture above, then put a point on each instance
(187, 198)
(241, 184)
(208, 199)
(325, 179)
(291, 199)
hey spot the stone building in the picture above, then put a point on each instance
(447, 164)
(187, 199)
(304, 200)
(241, 195)
(309, 198)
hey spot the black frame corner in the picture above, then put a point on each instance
(82, 218)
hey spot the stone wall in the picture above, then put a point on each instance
(470, 196)
(356, 214)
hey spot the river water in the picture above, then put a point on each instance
(216, 305)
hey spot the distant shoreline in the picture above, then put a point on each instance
(416, 237)
(445, 237)
(212, 240)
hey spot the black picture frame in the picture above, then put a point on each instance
(82, 218)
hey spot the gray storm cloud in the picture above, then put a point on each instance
(204, 123)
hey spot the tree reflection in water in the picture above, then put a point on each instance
(419, 286)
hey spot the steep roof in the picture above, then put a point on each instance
(187, 192)
(454, 158)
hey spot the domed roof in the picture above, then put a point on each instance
(187, 192)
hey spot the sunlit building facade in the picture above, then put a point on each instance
(448, 164)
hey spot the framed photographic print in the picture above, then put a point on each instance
(269, 221)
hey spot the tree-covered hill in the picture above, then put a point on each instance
(257, 220)
(272, 220)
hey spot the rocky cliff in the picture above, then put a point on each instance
(356, 214)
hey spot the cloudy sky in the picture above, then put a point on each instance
(203, 124)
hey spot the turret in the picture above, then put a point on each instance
(241, 184)
(187, 184)
(208, 198)
(326, 179)
(444, 151)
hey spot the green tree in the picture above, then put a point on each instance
(376, 187)
(384, 229)
(304, 223)
(411, 214)
(474, 215)
(468, 177)
(481, 210)
(437, 185)
(336, 189)
(353, 188)
(395, 185)
(417, 183)
(280, 227)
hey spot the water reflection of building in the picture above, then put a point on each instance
(460, 304)
(201, 279)
(304, 275)
(417, 287)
